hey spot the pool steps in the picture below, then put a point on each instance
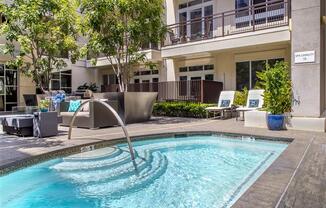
(95, 172)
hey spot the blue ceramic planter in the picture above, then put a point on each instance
(275, 122)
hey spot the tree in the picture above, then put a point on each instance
(42, 30)
(118, 29)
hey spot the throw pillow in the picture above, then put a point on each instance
(225, 103)
(74, 105)
(253, 103)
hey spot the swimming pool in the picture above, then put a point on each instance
(183, 171)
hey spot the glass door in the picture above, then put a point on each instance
(10, 88)
(208, 23)
(183, 25)
(196, 24)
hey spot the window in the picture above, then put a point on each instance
(61, 81)
(137, 81)
(155, 80)
(192, 3)
(145, 72)
(105, 79)
(183, 86)
(154, 71)
(183, 69)
(272, 62)
(262, 12)
(242, 75)
(209, 77)
(246, 72)
(113, 79)
(195, 20)
(256, 66)
(195, 68)
(209, 67)
(183, 78)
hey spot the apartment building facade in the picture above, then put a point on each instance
(228, 41)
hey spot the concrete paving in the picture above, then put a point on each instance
(296, 179)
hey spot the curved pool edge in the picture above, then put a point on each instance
(66, 151)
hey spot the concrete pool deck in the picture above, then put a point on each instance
(296, 179)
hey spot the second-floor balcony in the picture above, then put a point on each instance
(271, 14)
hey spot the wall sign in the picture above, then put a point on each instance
(304, 57)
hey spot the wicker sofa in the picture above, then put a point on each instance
(94, 115)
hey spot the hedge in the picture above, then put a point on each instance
(180, 109)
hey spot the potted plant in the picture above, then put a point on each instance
(276, 82)
(44, 105)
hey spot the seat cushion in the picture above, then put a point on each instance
(70, 114)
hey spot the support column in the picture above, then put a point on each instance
(170, 6)
(308, 77)
(169, 69)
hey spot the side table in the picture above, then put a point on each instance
(45, 124)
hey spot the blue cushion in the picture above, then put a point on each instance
(225, 103)
(74, 105)
(253, 103)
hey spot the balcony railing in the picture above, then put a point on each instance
(195, 90)
(257, 17)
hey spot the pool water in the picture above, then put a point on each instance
(194, 171)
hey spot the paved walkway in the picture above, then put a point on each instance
(296, 179)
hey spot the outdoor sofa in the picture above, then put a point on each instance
(93, 115)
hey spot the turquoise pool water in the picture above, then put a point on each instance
(194, 171)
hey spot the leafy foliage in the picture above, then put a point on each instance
(41, 30)
(180, 109)
(44, 104)
(118, 30)
(278, 89)
(240, 98)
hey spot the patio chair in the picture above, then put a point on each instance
(255, 101)
(225, 102)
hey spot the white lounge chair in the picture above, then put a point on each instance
(225, 102)
(255, 101)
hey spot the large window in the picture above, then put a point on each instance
(146, 76)
(263, 11)
(61, 81)
(8, 87)
(203, 72)
(246, 72)
(195, 18)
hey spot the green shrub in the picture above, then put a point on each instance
(278, 89)
(180, 109)
(240, 98)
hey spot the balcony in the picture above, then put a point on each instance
(193, 90)
(151, 51)
(258, 17)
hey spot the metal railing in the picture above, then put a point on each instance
(257, 17)
(116, 115)
(193, 90)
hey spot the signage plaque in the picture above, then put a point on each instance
(304, 57)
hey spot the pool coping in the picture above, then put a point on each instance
(263, 191)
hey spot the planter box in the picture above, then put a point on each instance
(133, 107)
(256, 119)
